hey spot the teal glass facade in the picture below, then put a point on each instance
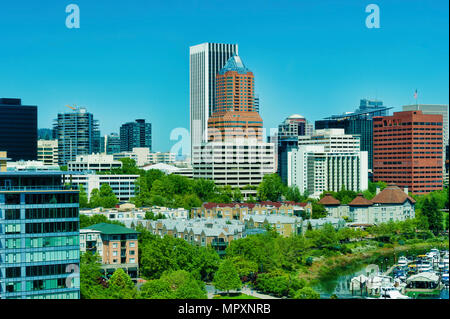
(39, 237)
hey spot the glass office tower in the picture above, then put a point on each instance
(77, 133)
(18, 129)
(39, 236)
(135, 134)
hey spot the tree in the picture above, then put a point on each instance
(306, 293)
(156, 289)
(271, 188)
(120, 286)
(434, 216)
(204, 189)
(178, 284)
(244, 267)
(107, 197)
(293, 194)
(318, 211)
(142, 192)
(227, 278)
(90, 277)
(237, 195)
(84, 203)
(104, 197)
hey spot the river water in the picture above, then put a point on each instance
(340, 284)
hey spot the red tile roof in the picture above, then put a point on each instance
(360, 201)
(329, 200)
(392, 195)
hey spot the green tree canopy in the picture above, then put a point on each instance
(226, 277)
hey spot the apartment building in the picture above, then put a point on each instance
(217, 233)
(118, 249)
(238, 211)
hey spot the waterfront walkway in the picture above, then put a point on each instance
(245, 290)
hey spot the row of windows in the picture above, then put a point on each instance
(42, 242)
(51, 198)
(55, 227)
(41, 256)
(42, 213)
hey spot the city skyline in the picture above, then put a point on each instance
(322, 64)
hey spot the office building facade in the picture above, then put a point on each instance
(407, 150)
(436, 109)
(123, 186)
(205, 61)
(48, 152)
(135, 134)
(234, 115)
(358, 123)
(77, 133)
(39, 236)
(314, 170)
(93, 162)
(237, 163)
(18, 129)
(287, 140)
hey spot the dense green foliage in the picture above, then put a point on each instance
(307, 293)
(226, 277)
(158, 255)
(86, 221)
(178, 284)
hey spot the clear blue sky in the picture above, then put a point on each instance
(130, 59)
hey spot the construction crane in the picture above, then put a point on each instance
(72, 107)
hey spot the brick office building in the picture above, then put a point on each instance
(407, 150)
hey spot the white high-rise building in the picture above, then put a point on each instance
(205, 61)
(313, 169)
(333, 140)
(236, 163)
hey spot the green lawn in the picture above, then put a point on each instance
(234, 296)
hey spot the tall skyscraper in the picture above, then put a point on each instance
(39, 236)
(205, 61)
(135, 134)
(110, 144)
(234, 115)
(18, 129)
(287, 140)
(77, 133)
(436, 109)
(407, 150)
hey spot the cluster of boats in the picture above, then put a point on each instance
(420, 274)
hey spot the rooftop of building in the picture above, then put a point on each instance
(111, 229)
(392, 194)
(360, 200)
(329, 200)
(234, 63)
(210, 205)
